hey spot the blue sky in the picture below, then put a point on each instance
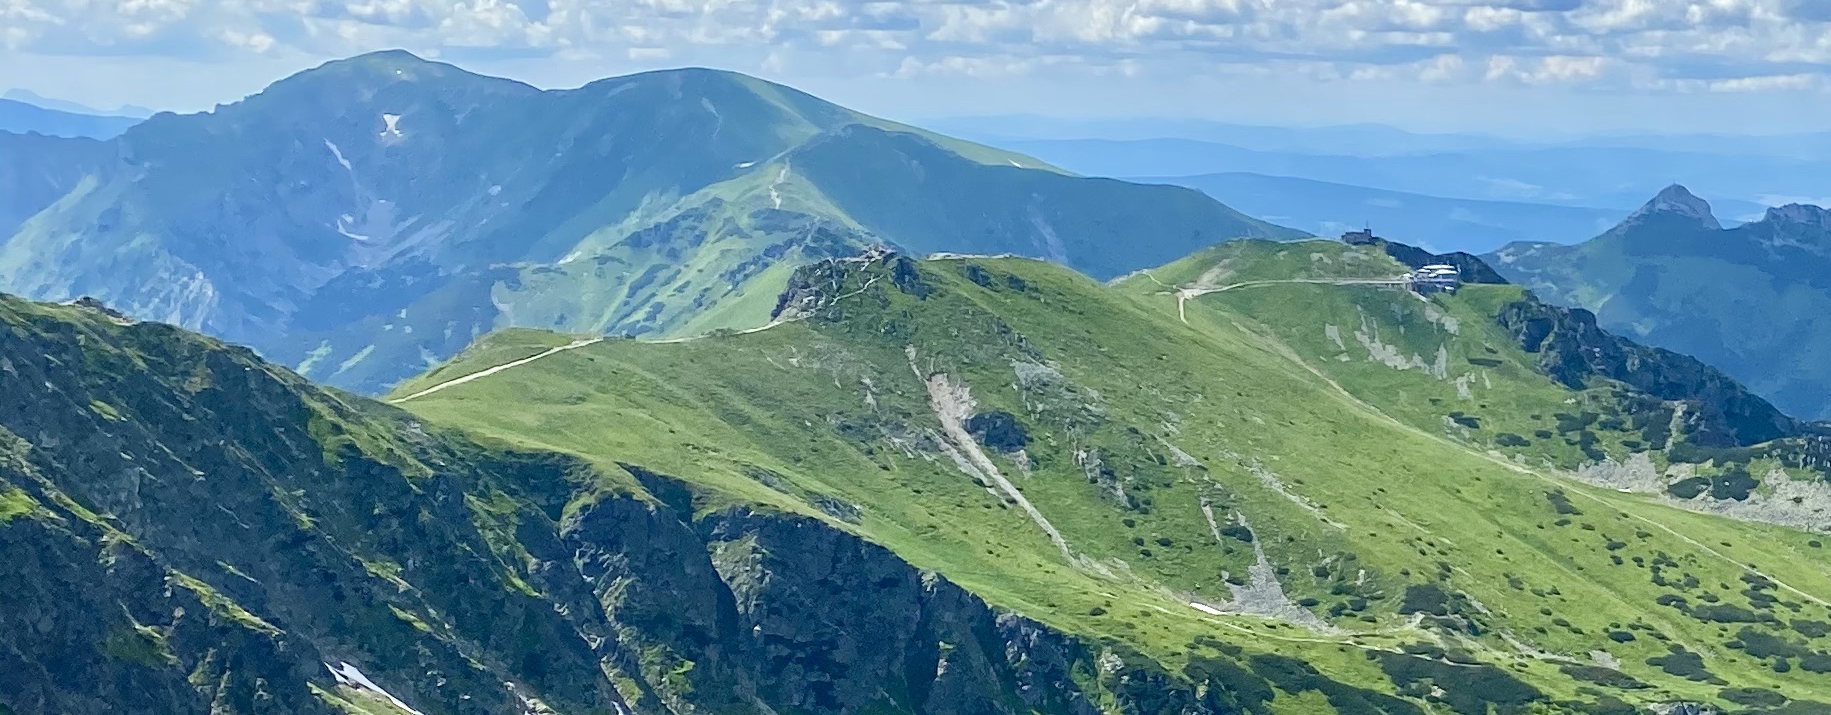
(1518, 67)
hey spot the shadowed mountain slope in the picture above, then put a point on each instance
(366, 219)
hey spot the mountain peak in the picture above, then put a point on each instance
(362, 77)
(386, 60)
(382, 64)
(1805, 215)
(1676, 200)
(393, 55)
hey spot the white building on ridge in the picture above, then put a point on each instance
(1435, 277)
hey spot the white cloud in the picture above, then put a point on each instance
(1626, 45)
(1570, 41)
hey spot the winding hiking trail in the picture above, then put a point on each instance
(1184, 294)
(582, 342)
(574, 345)
(486, 372)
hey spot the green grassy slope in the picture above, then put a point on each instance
(1495, 368)
(184, 528)
(1429, 363)
(1125, 464)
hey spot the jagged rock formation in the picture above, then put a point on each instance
(1575, 351)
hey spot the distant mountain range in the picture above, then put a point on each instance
(29, 97)
(1365, 140)
(1589, 177)
(366, 219)
(20, 117)
(1345, 140)
(1754, 299)
(1434, 222)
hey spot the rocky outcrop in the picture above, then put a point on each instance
(1573, 350)
(90, 622)
(816, 287)
(291, 514)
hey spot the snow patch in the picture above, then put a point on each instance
(339, 154)
(350, 676)
(391, 125)
(775, 193)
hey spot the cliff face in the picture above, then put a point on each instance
(190, 530)
(268, 514)
(1573, 350)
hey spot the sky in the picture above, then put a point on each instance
(1510, 67)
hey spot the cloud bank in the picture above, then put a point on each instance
(1481, 63)
(1723, 45)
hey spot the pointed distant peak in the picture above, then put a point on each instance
(1676, 200)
